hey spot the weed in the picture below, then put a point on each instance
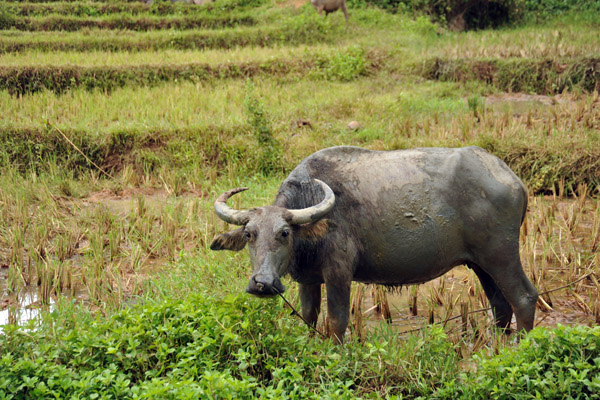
(476, 105)
(270, 159)
(345, 65)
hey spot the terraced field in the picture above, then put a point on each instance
(122, 122)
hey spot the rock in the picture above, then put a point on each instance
(353, 126)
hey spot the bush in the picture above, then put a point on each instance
(545, 8)
(270, 158)
(481, 14)
(207, 347)
(459, 14)
(547, 364)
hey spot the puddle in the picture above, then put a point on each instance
(19, 308)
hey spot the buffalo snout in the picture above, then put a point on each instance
(264, 285)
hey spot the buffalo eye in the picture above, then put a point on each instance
(285, 233)
(247, 235)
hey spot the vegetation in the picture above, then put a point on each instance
(307, 32)
(537, 368)
(116, 137)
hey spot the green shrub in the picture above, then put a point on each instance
(545, 8)
(459, 14)
(547, 364)
(270, 158)
(208, 347)
(481, 14)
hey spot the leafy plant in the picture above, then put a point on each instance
(270, 158)
(547, 364)
(207, 346)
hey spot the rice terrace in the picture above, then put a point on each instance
(123, 121)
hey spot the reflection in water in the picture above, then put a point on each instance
(21, 307)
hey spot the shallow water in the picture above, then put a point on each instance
(21, 307)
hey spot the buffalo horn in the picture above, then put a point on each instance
(228, 214)
(316, 212)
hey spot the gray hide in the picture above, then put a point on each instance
(330, 6)
(400, 217)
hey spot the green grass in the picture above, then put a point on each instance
(190, 339)
(96, 8)
(123, 21)
(160, 58)
(548, 41)
(128, 41)
(547, 364)
(433, 114)
(343, 64)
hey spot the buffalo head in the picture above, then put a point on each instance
(269, 232)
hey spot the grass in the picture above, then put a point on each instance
(138, 23)
(128, 41)
(97, 8)
(344, 64)
(518, 75)
(533, 143)
(159, 58)
(548, 41)
(141, 307)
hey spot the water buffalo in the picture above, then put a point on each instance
(330, 6)
(393, 218)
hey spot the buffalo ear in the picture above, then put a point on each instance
(233, 241)
(315, 230)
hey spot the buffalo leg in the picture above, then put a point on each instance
(500, 306)
(310, 298)
(345, 10)
(338, 308)
(507, 272)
